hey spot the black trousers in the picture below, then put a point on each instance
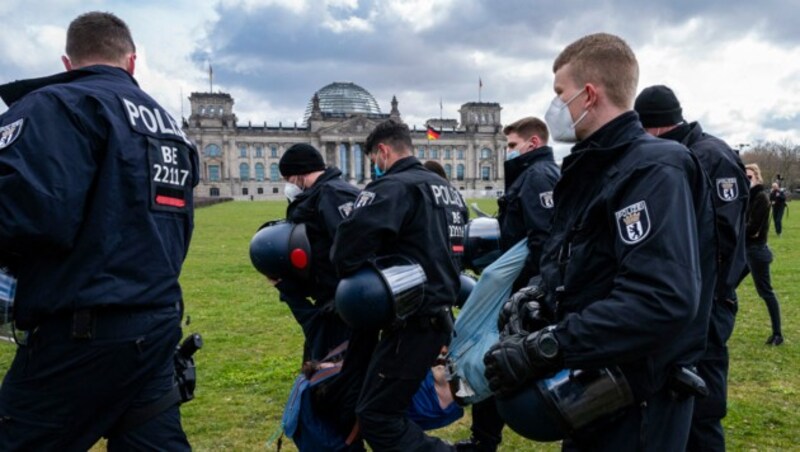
(706, 432)
(777, 216)
(63, 393)
(759, 257)
(381, 373)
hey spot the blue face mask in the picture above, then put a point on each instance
(512, 155)
(378, 171)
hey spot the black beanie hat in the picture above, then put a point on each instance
(301, 158)
(657, 106)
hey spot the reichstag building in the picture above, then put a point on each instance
(241, 160)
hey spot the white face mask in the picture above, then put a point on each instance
(291, 191)
(560, 122)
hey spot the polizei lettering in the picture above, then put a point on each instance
(445, 195)
(151, 120)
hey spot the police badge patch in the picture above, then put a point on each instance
(365, 198)
(10, 132)
(727, 189)
(546, 199)
(345, 209)
(633, 223)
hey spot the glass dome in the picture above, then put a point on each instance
(341, 98)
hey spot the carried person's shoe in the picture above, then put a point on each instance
(775, 339)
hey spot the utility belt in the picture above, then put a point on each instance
(97, 322)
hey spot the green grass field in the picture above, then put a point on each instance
(253, 346)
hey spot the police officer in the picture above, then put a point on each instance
(97, 189)
(527, 205)
(622, 271)
(320, 199)
(524, 212)
(406, 210)
(661, 115)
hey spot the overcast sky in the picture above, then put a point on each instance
(735, 65)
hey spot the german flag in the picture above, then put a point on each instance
(433, 134)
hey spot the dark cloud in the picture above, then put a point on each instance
(285, 56)
(782, 123)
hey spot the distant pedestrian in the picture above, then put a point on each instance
(777, 197)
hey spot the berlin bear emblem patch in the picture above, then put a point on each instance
(546, 199)
(10, 132)
(727, 189)
(633, 223)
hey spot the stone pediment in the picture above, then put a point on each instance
(355, 126)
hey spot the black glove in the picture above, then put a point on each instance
(524, 312)
(519, 358)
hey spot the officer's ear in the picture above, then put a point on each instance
(131, 63)
(67, 63)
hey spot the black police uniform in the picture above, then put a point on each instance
(624, 270)
(726, 172)
(96, 192)
(412, 212)
(525, 210)
(321, 208)
(778, 200)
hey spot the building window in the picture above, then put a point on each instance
(260, 190)
(259, 151)
(243, 151)
(244, 171)
(421, 153)
(274, 190)
(212, 150)
(245, 191)
(213, 191)
(448, 170)
(460, 154)
(213, 172)
(485, 172)
(259, 172)
(273, 152)
(460, 172)
(344, 161)
(274, 174)
(434, 153)
(486, 153)
(358, 158)
(447, 155)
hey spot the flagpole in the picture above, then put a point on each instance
(210, 79)
(480, 88)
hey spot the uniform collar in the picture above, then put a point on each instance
(328, 174)
(608, 142)
(516, 166)
(14, 91)
(403, 164)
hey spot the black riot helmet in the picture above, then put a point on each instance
(553, 407)
(281, 250)
(388, 288)
(481, 243)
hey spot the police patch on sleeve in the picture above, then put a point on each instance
(345, 209)
(9, 133)
(546, 199)
(633, 223)
(365, 198)
(727, 189)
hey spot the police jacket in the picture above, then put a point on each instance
(725, 170)
(623, 265)
(758, 216)
(321, 208)
(96, 193)
(412, 212)
(527, 205)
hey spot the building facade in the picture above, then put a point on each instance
(241, 161)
